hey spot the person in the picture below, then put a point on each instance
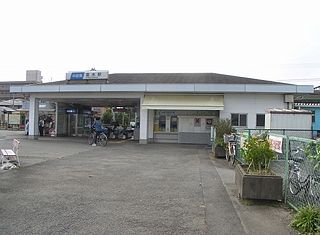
(98, 128)
(26, 129)
(41, 126)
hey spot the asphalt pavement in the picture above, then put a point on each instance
(65, 186)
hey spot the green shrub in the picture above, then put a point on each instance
(312, 151)
(220, 142)
(307, 220)
(222, 126)
(107, 116)
(257, 155)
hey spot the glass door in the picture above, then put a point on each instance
(173, 124)
(72, 124)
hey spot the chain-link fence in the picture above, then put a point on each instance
(296, 161)
(303, 186)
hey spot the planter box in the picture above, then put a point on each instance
(219, 152)
(258, 186)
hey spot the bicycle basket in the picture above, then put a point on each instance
(229, 138)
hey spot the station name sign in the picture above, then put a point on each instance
(91, 74)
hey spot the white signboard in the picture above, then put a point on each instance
(14, 119)
(276, 143)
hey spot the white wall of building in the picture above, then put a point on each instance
(288, 121)
(291, 120)
(251, 104)
(186, 124)
(33, 75)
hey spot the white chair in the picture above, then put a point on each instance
(11, 155)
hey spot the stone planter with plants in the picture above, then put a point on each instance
(219, 148)
(255, 180)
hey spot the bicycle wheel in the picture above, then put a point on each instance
(233, 155)
(315, 187)
(226, 149)
(102, 139)
(227, 155)
(231, 160)
(294, 184)
(91, 138)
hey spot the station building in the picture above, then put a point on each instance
(171, 107)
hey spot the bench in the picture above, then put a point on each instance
(11, 155)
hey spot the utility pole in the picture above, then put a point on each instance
(12, 100)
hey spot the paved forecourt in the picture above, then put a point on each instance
(68, 187)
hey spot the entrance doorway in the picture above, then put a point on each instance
(72, 124)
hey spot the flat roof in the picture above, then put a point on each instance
(287, 111)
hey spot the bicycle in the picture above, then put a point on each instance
(231, 141)
(102, 138)
(309, 183)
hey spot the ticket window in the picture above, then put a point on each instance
(165, 123)
(173, 124)
(162, 123)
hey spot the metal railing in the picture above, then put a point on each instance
(301, 178)
(303, 186)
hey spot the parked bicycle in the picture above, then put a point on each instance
(300, 177)
(231, 151)
(102, 138)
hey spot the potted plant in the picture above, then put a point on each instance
(222, 126)
(255, 180)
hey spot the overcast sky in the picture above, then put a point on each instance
(274, 40)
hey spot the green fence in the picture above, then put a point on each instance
(303, 176)
(295, 162)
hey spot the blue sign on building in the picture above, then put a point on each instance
(77, 76)
(71, 111)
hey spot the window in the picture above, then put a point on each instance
(260, 120)
(162, 123)
(313, 116)
(238, 119)
(173, 124)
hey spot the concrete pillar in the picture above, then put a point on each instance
(34, 118)
(56, 120)
(143, 125)
(150, 125)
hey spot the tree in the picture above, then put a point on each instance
(223, 126)
(118, 118)
(126, 120)
(107, 116)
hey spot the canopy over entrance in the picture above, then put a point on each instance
(6, 109)
(183, 102)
